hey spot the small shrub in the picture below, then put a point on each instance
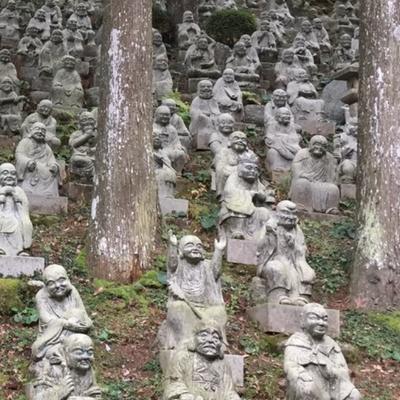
(227, 26)
(161, 20)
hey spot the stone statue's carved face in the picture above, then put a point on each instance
(79, 353)
(226, 124)
(163, 115)
(312, 13)
(265, 26)
(246, 39)
(87, 122)
(288, 57)
(81, 10)
(72, 24)
(239, 144)
(32, 31)
(41, 15)
(286, 213)
(283, 116)
(272, 15)
(279, 98)
(317, 24)
(228, 76)
(6, 86)
(191, 248)
(248, 171)
(11, 6)
(318, 149)
(205, 90)
(8, 175)
(353, 129)
(50, 3)
(45, 108)
(299, 42)
(69, 63)
(341, 10)
(57, 283)
(157, 142)
(157, 40)
(56, 37)
(306, 27)
(38, 132)
(208, 343)
(240, 49)
(171, 105)
(302, 76)
(202, 44)
(345, 42)
(188, 17)
(315, 322)
(161, 64)
(5, 57)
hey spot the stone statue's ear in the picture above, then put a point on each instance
(180, 254)
(191, 345)
(222, 350)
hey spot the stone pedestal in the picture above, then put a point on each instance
(235, 362)
(347, 191)
(319, 217)
(280, 318)
(279, 176)
(173, 206)
(80, 191)
(47, 205)
(14, 266)
(8, 43)
(317, 128)
(241, 252)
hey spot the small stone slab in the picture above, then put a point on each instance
(173, 206)
(15, 266)
(350, 97)
(348, 191)
(347, 73)
(317, 128)
(241, 252)
(319, 217)
(235, 362)
(279, 176)
(42, 84)
(43, 205)
(8, 43)
(280, 318)
(77, 191)
(202, 141)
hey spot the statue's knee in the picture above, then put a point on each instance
(355, 395)
(307, 390)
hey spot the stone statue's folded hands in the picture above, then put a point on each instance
(305, 377)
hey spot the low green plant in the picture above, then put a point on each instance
(251, 98)
(250, 346)
(183, 107)
(26, 316)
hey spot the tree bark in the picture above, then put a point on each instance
(375, 280)
(124, 206)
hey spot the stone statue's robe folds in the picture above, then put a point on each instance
(67, 89)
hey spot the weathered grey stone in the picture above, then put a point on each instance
(319, 217)
(82, 67)
(80, 191)
(16, 265)
(47, 205)
(254, 115)
(279, 176)
(169, 205)
(347, 191)
(42, 84)
(241, 252)
(317, 128)
(332, 94)
(29, 74)
(37, 96)
(280, 318)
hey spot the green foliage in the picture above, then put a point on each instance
(80, 262)
(202, 176)
(106, 335)
(251, 98)
(343, 229)
(227, 26)
(119, 389)
(9, 295)
(151, 279)
(161, 20)
(183, 107)
(152, 366)
(26, 316)
(6, 156)
(250, 346)
(209, 221)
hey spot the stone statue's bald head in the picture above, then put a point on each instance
(8, 175)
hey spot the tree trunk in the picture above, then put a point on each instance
(375, 281)
(124, 207)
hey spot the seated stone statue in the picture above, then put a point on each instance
(176, 121)
(322, 38)
(206, 8)
(341, 22)
(52, 54)
(43, 115)
(84, 23)
(344, 55)
(263, 40)
(83, 149)
(277, 27)
(303, 57)
(283, 275)
(194, 290)
(40, 23)
(69, 374)
(200, 60)
(159, 49)
(73, 39)
(251, 52)
(10, 108)
(9, 21)
(204, 112)
(314, 364)
(15, 225)
(310, 37)
(8, 70)
(37, 169)
(61, 313)
(282, 11)
(285, 69)
(220, 139)
(278, 100)
(29, 47)
(67, 87)
(188, 31)
(26, 10)
(229, 96)
(314, 178)
(243, 66)
(303, 99)
(169, 137)
(162, 79)
(198, 370)
(227, 159)
(53, 14)
(243, 212)
(225, 5)
(282, 141)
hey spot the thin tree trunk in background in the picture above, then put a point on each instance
(124, 207)
(375, 280)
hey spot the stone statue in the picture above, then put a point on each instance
(278, 100)
(61, 313)
(206, 8)
(229, 96)
(162, 79)
(314, 365)
(43, 115)
(200, 60)
(162, 4)
(188, 31)
(73, 39)
(341, 22)
(194, 290)
(310, 37)
(159, 49)
(83, 149)
(198, 370)
(176, 121)
(26, 10)
(52, 54)
(243, 212)
(8, 70)
(314, 178)
(283, 275)
(227, 159)
(264, 42)
(84, 23)
(322, 37)
(244, 67)
(303, 99)
(15, 225)
(37, 169)
(53, 14)
(344, 55)
(40, 23)
(29, 47)
(69, 374)
(10, 108)
(225, 5)
(251, 52)
(282, 141)
(277, 26)
(303, 57)
(220, 138)
(282, 11)
(204, 112)
(9, 21)
(67, 87)
(285, 69)
(169, 137)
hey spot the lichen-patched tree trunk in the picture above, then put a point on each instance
(124, 207)
(375, 280)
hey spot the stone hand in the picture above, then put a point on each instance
(67, 387)
(31, 166)
(17, 199)
(221, 244)
(94, 391)
(305, 377)
(54, 169)
(172, 238)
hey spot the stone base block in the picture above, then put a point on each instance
(15, 266)
(319, 217)
(42, 84)
(350, 97)
(37, 96)
(8, 43)
(9, 142)
(241, 252)
(29, 74)
(235, 362)
(202, 141)
(173, 206)
(280, 318)
(348, 191)
(279, 176)
(317, 128)
(80, 191)
(254, 115)
(47, 205)
(90, 51)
